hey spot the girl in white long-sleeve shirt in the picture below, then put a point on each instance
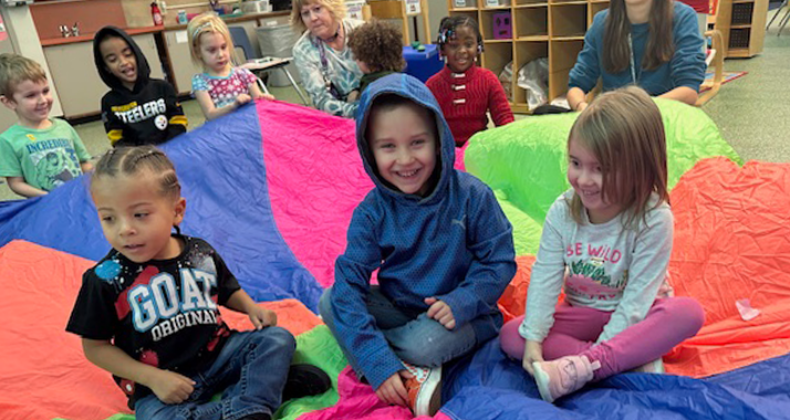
(608, 241)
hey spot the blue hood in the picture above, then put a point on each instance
(408, 87)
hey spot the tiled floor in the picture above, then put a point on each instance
(752, 112)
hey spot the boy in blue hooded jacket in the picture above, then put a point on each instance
(442, 244)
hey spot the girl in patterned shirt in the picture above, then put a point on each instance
(221, 88)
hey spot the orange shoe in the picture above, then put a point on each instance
(425, 390)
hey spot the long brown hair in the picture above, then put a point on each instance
(660, 45)
(624, 130)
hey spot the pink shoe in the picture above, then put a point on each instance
(563, 376)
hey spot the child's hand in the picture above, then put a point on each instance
(268, 96)
(441, 312)
(533, 352)
(171, 387)
(262, 317)
(242, 99)
(392, 391)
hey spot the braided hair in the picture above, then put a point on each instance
(134, 160)
(450, 24)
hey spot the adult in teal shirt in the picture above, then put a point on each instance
(654, 44)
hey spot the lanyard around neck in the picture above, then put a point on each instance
(320, 45)
(633, 61)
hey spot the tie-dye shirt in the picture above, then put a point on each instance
(224, 90)
(603, 266)
(343, 71)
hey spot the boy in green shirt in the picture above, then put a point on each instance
(37, 154)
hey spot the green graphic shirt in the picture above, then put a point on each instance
(44, 158)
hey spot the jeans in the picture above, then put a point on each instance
(415, 338)
(251, 368)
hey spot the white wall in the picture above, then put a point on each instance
(24, 39)
(438, 10)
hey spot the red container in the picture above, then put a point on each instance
(156, 14)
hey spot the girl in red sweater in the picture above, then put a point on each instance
(465, 91)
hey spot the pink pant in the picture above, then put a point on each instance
(667, 324)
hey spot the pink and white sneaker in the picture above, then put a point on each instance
(424, 389)
(656, 366)
(563, 376)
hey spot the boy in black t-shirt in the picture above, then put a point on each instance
(148, 311)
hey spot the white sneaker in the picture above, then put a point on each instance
(563, 376)
(656, 366)
(425, 390)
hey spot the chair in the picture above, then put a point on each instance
(783, 20)
(254, 63)
(715, 58)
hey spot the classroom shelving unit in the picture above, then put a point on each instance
(540, 28)
(742, 26)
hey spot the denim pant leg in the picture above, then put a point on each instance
(262, 359)
(251, 369)
(152, 408)
(425, 342)
(378, 306)
(418, 340)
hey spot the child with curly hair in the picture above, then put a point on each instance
(378, 50)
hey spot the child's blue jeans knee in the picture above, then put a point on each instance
(417, 340)
(250, 371)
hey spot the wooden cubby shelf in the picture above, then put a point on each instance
(527, 51)
(552, 29)
(742, 26)
(533, 21)
(496, 18)
(568, 20)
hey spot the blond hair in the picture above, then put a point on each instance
(624, 130)
(15, 69)
(208, 22)
(336, 8)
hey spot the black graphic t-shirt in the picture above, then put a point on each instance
(161, 313)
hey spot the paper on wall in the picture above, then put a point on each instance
(412, 7)
(354, 9)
